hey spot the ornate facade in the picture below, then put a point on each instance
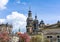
(50, 32)
(33, 26)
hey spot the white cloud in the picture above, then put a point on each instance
(2, 21)
(3, 4)
(18, 20)
(19, 2)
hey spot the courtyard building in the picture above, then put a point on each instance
(50, 32)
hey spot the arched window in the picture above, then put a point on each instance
(58, 38)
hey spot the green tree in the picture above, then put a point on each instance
(46, 40)
(36, 38)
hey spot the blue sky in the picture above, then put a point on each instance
(47, 10)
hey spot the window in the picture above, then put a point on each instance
(47, 36)
(50, 38)
(58, 38)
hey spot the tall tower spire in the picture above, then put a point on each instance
(29, 25)
(35, 17)
(35, 24)
(29, 12)
(29, 7)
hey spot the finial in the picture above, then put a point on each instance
(29, 8)
(35, 16)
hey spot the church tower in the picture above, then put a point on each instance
(29, 25)
(35, 23)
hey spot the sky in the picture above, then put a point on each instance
(15, 12)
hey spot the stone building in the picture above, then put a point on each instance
(6, 28)
(50, 32)
(33, 26)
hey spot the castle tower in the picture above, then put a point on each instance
(35, 17)
(42, 24)
(29, 25)
(35, 23)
